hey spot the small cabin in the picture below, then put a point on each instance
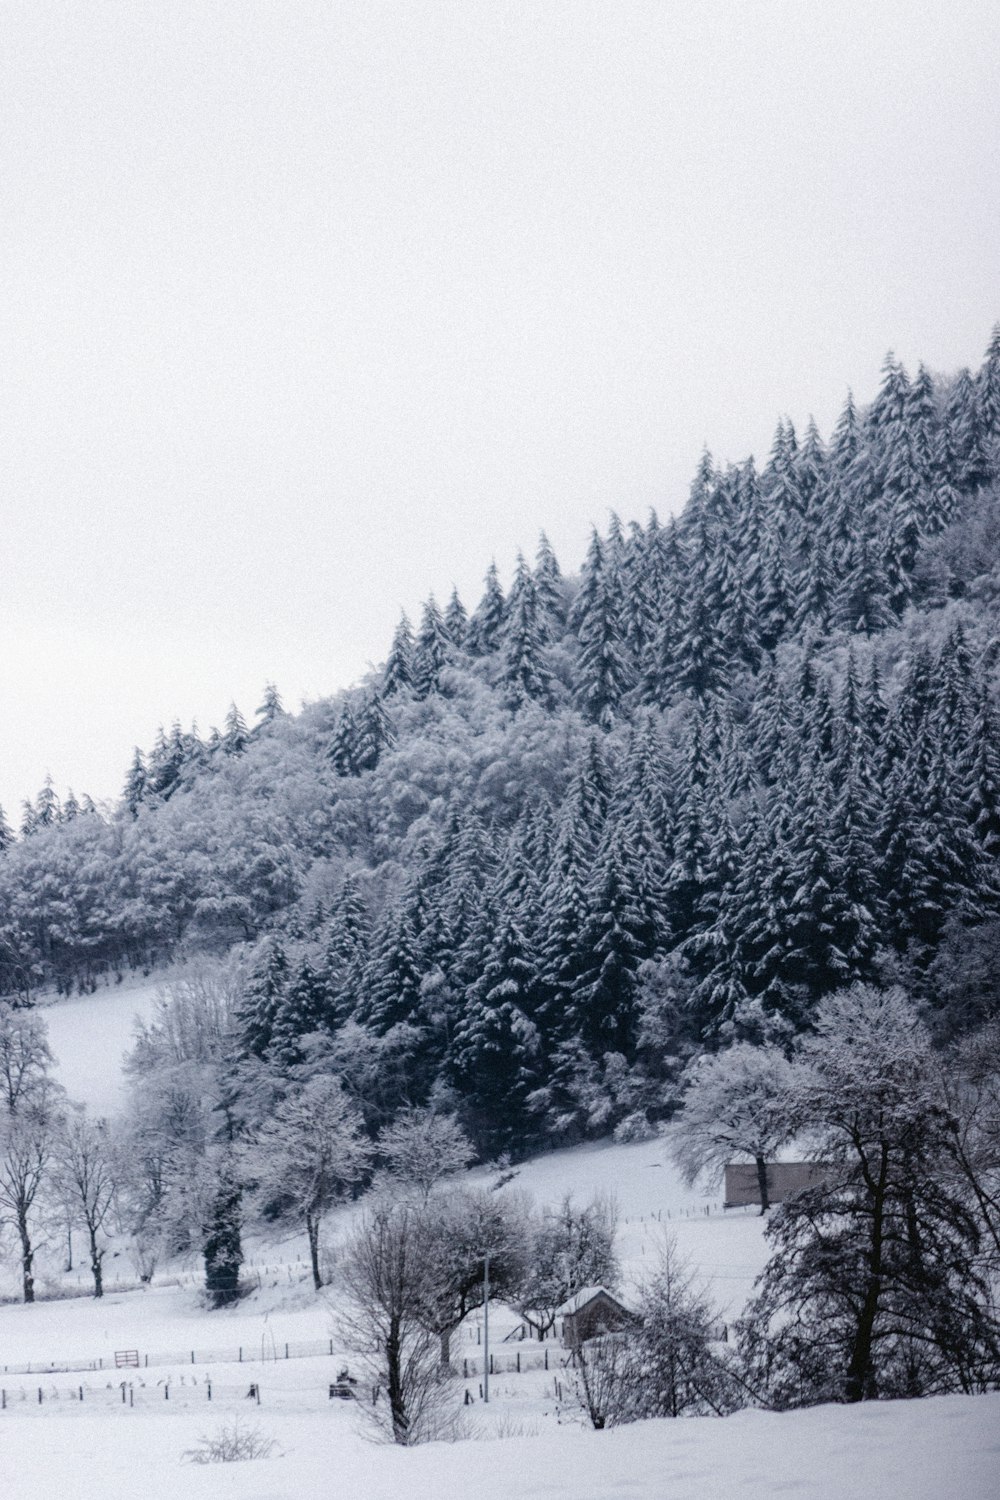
(591, 1311)
(783, 1179)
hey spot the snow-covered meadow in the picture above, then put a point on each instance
(113, 1432)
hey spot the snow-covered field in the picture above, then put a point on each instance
(90, 1034)
(130, 1431)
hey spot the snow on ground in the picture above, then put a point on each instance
(90, 1034)
(928, 1450)
(104, 1448)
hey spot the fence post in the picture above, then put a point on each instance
(240, 1361)
(519, 1361)
(286, 1351)
(192, 1356)
(209, 1383)
(546, 1359)
(39, 1395)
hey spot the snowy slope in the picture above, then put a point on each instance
(90, 1034)
(939, 1449)
(102, 1448)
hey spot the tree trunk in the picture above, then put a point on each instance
(860, 1382)
(27, 1259)
(765, 1202)
(394, 1386)
(96, 1264)
(312, 1233)
(445, 1337)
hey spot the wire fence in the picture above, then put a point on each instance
(172, 1392)
(268, 1350)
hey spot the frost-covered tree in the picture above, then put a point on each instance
(421, 1147)
(85, 1175)
(877, 1285)
(739, 1102)
(571, 1246)
(306, 1157)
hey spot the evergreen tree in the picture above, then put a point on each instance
(456, 620)
(397, 673)
(392, 979)
(966, 437)
(262, 998)
(374, 732)
(496, 1046)
(271, 707)
(486, 624)
(523, 674)
(615, 940)
(431, 652)
(235, 735)
(343, 749)
(549, 582)
(135, 784)
(305, 1008)
(603, 674)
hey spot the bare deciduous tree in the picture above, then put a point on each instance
(25, 1149)
(85, 1178)
(25, 1057)
(387, 1280)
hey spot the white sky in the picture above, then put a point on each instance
(309, 309)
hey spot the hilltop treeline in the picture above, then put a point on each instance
(742, 760)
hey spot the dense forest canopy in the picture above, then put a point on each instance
(559, 842)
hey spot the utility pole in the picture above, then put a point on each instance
(486, 1327)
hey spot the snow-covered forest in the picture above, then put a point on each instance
(560, 842)
(699, 848)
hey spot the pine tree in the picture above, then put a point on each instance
(966, 437)
(305, 1008)
(495, 1052)
(523, 674)
(135, 784)
(456, 620)
(397, 673)
(271, 707)
(374, 732)
(342, 752)
(431, 652)
(392, 979)
(980, 768)
(603, 674)
(222, 1247)
(235, 735)
(486, 624)
(261, 1000)
(549, 583)
(614, 941)
(862, 603)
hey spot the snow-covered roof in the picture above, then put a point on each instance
(583, 1296)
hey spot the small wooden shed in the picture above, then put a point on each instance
(783, 1179)
(591, 1311)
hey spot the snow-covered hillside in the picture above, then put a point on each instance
(90, 1034)
(106, 1431)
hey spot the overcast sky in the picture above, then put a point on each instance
(309, 310)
